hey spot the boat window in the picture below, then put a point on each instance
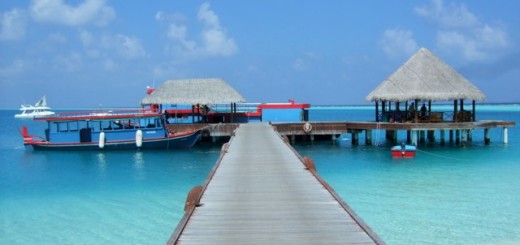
(63, 127)
(95, 125)
(106, 125)
(73, 126)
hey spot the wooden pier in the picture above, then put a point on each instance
(262, 192)
(457, 132)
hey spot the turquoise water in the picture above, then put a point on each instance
(445, 195)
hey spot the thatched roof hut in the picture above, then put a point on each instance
(425, 77)
(193, 91)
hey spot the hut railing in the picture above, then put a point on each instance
(432, 117)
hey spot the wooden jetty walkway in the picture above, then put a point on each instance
(262, 192)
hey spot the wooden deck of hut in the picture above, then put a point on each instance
(262, 192)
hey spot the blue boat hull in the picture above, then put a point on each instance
(184, 141)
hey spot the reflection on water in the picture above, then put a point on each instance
(138, 164)
(102, 164)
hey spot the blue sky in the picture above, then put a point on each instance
(87, 53)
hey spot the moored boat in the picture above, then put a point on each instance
(403, 151)
(38, 110)
(114, 130)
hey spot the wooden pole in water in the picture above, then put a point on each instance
(457, 137)
(414, 137)
(442, 136)
(463, 137)
(355, 137)
(487, 137)
(368, 137)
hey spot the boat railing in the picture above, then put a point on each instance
(101, 113)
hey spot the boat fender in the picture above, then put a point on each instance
(101, 140)
(307, 127)
(139, 138)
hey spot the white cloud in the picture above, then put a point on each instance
(71, 62)
(16, 67)
(57, 38)
(305, 62)
(88, 12)
(127, 47)
(214, 39)
(12, 25)
(463, 34)
(397, 43)
(451, 16)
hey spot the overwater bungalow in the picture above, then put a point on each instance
(424, 79)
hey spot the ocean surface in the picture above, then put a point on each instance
(445, 195)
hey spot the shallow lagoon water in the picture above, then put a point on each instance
(445, 195)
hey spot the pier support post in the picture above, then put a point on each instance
(464, 140)
(443, 132)
(312, 138)
(487, 137)
(368, 137)
(414, 137)
(470, 135)
(431, 135)
(333, 137)
(408, 137)
(421, 137)
(451, 136)
(355, 137)
(457, 137)
(505, 135)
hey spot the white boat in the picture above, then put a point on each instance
(38, 110)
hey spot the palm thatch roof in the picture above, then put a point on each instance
(425, 77)
(193, 91)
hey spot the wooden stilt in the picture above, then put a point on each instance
(487, 136)
(457, 137)
(443, 132)
(355, 137)
(408, 137)
(368, 137)
(431, 136)
(421, 137)
(414, 137)
(463, 138)
(451, 136)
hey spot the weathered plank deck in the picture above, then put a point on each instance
(261, 192)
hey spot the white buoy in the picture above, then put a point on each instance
(139, 138)
(101, 140)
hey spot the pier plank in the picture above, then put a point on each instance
(261, 193)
